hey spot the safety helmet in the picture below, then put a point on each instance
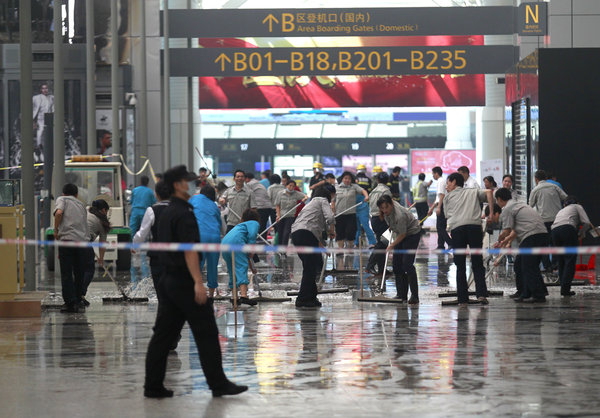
(377, 169)
(318, 165)
(361, 167)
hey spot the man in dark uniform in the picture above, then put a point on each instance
(183, 297)
(361, 178)
(394, 184)
(318, 179)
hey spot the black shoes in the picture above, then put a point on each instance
(245, 300)
(229, 389)
(72, 308)
(308, 303)
(84, 302)
(534, 300)
(570, 293)
(158, 393)
(515, 295)
(483, 300)
(413, 301)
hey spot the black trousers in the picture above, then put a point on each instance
(404, 267)
(440, 226)
(311, 264)
(422, 209)
(176, 305)
(527, 268)
(548, 261)
(156, 271)
(565, 236)
(471, 236)
(285, 229)
(379, 227)
(264, 215)
(89, 270)
(345, 227)
(72, 269)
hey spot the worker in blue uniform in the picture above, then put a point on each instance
(208, 217)
(142, 197)
(243, 233)
(362, 221)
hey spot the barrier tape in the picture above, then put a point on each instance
(262, 249)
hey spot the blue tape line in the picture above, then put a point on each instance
(258, 248)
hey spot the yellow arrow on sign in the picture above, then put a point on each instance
(271, 19)
(223, 58)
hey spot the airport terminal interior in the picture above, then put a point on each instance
(323, 134)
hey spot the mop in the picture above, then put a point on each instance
(333, 269)
(124, 297)
(470, 282)
(254, 282)
(320, 289)
(377, 299)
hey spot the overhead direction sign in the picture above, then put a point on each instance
(397, 21)
(358, 61)
(533, 19)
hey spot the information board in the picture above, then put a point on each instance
(384, 21)
(358, 61)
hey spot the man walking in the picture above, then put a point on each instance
(183, 297)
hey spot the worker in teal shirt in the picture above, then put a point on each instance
(243, 233)
(142, 197)
(208, 217)
(362, 220)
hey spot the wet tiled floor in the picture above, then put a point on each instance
(346, 359)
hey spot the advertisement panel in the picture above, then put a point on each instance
(43, 106)
(422, 161)
(388, 162)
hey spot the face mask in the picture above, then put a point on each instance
(191, 187)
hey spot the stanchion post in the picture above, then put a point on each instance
(234, 291)
(360, 265)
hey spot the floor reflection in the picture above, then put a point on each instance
(347, 358)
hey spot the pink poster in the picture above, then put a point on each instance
(422, 161)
